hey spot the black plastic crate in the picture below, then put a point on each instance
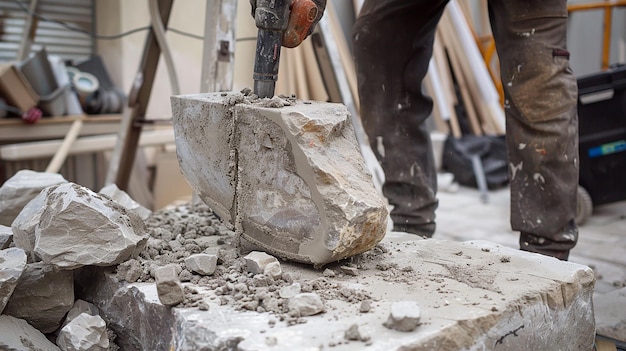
(602, 135)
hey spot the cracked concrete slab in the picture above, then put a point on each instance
(471, 296)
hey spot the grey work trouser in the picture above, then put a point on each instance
(393, 41)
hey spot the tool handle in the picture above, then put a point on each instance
(304, 15)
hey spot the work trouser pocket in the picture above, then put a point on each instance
(531, 39)
(542, 86)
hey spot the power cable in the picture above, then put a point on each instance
(115, 36)
(74, 28)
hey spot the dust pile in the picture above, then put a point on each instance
(185, 229)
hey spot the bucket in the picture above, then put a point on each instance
(54, 104)
(38, 72)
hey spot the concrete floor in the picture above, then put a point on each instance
(602, 242)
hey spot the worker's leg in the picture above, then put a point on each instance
(542, 123)
(393, 42)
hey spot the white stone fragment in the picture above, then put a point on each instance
(404, 316)
(84, 333)
(12, 265)
(273, 270)
(122, 198)
(306, 304)
(80, 307)
(18, 190)
(24, 224)
(289, 291)
(14, 332)
(6, 236)
(81, 228)
(169, 287)
(203, 264)
(257, 261)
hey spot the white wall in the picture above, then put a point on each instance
(122, 56)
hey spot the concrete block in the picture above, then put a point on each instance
(290, 178)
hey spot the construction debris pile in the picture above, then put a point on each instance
(179, 280)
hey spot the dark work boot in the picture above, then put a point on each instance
(425, 230)
(557, 245)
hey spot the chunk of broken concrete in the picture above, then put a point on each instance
(132, 311)
(17, 334)
(78, 227)
(257, 261)
(168, 285)
(203, 264)
(12, 265)
(84, 333)
(6, 237)
(18, 190)
(404, 316)
(289, 291)
(42, 297)
(122, 198)
(291, 179)
(24, 224)
(80, 307)
(306, 304)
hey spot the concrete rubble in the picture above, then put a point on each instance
(84, 333)
(122, 198)
(404, 316)
(286, 174)
(12, 265)
(445, 295)
(17, 334)
(169, 287)
(202, 264)
(17, 191)
(43, 296)
(6, 236)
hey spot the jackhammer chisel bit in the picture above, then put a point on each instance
(271, 17)
(280, 23)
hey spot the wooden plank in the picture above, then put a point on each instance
(88, 144)
(61, 154)
(14, 130)
(123, 157)
(452, 45)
